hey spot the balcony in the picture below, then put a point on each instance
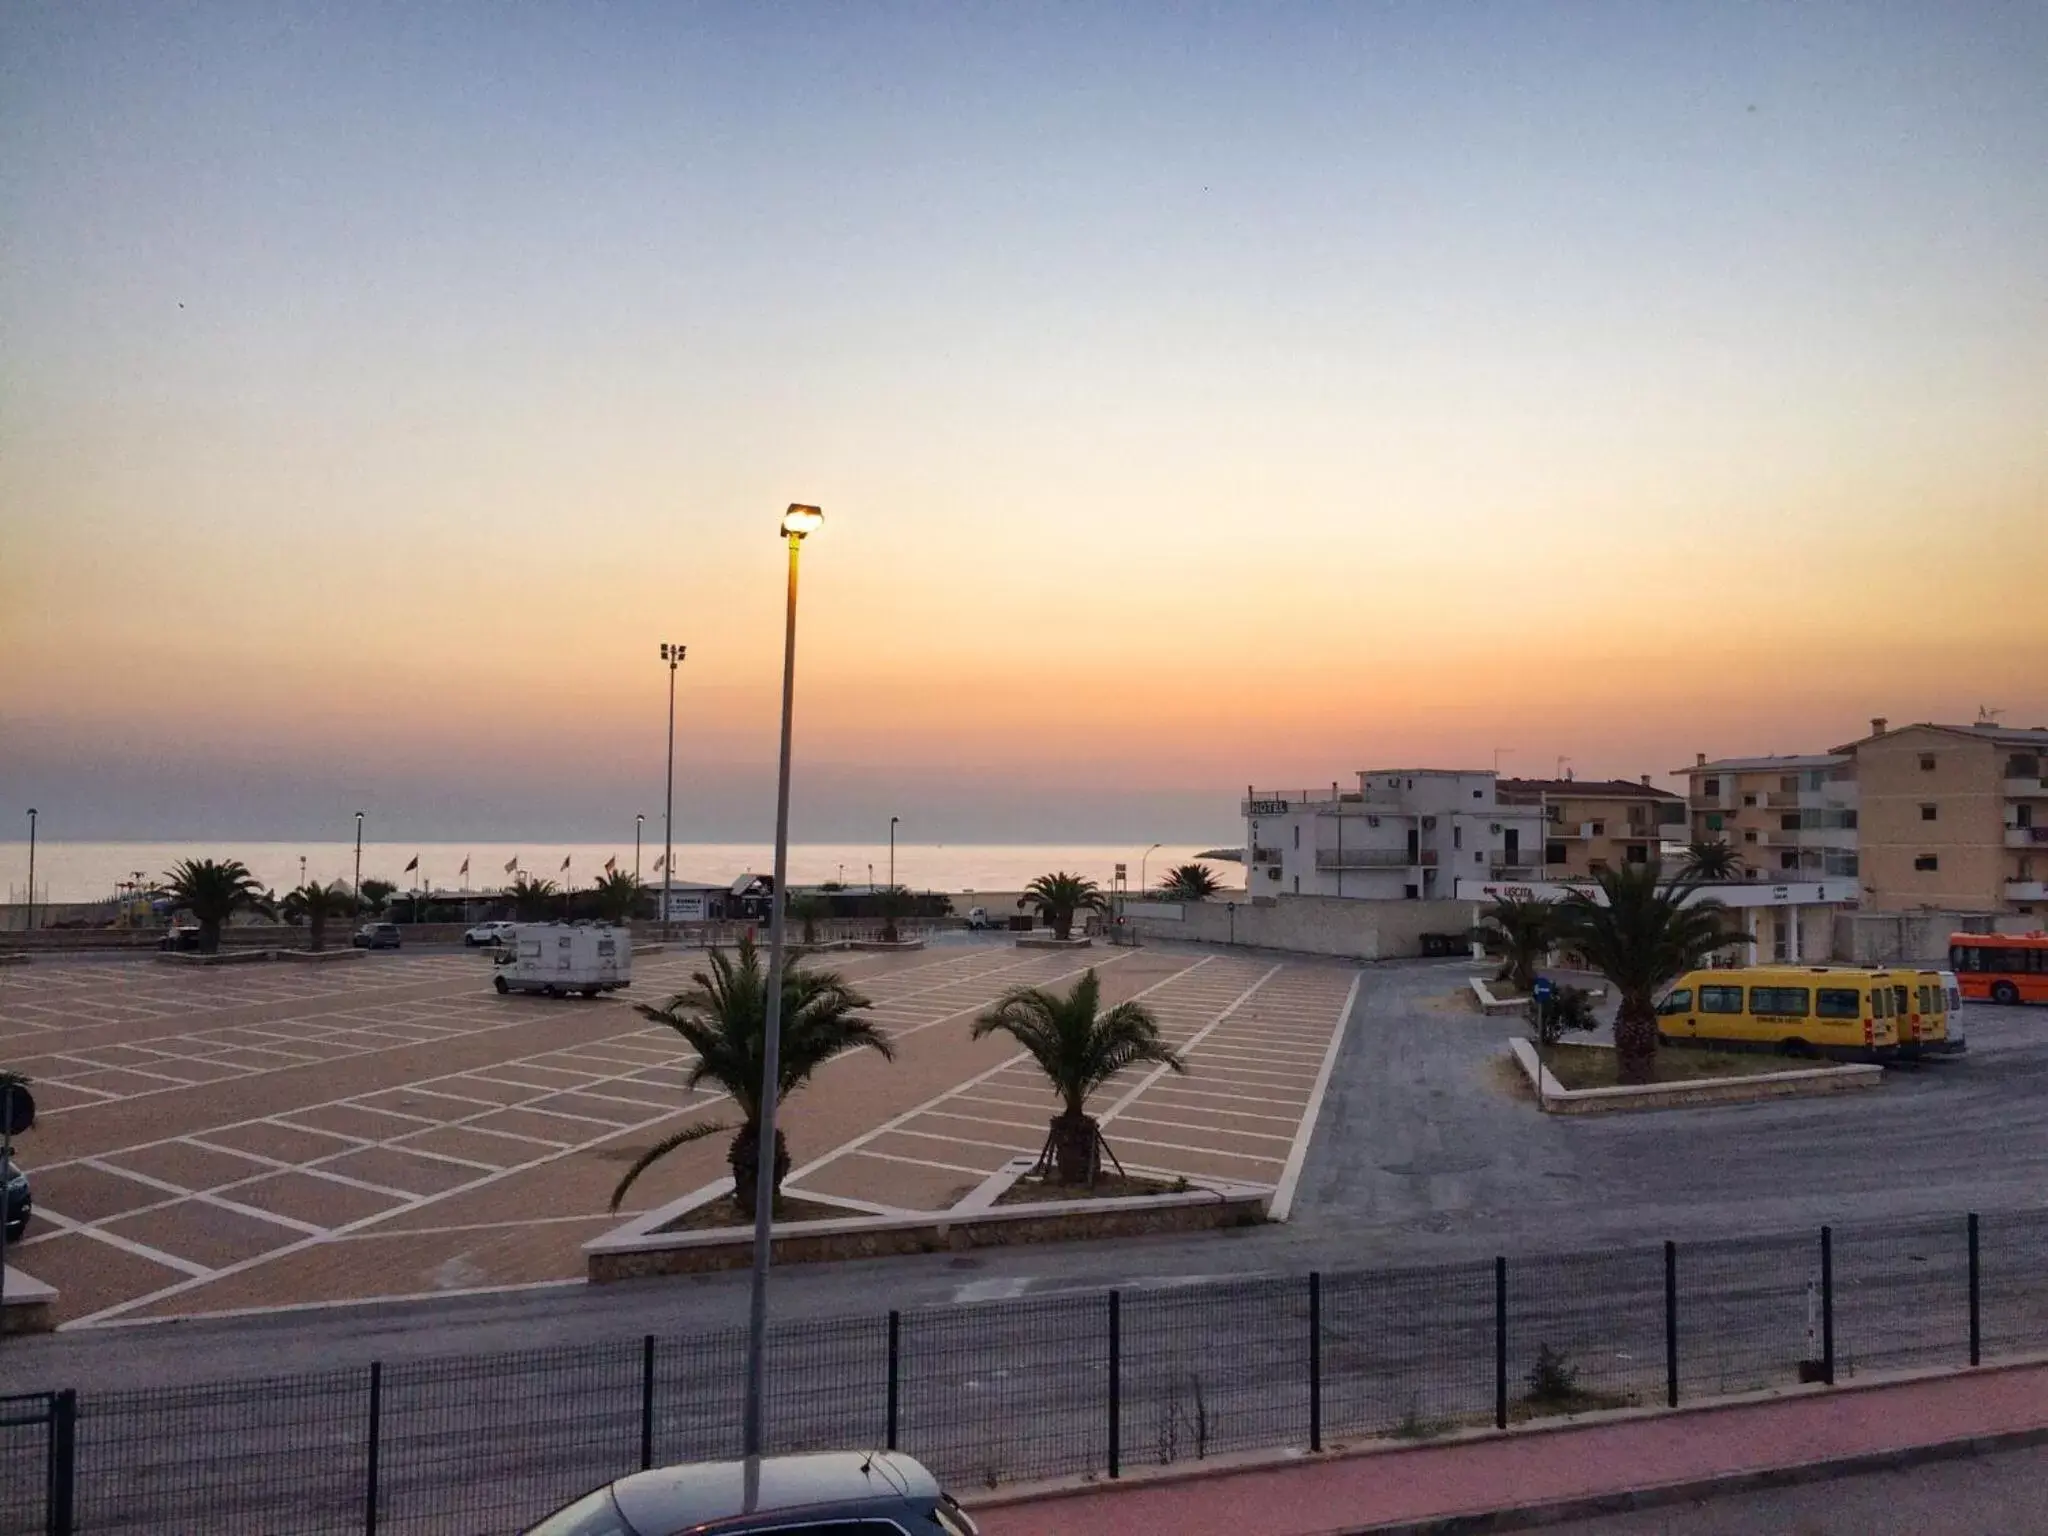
(1374, 858)
(2026, 890)
(1515, 872)
(2026, 789)
(1709, 802)
(2026, 837)
(1782, 799)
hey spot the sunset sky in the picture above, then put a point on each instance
(1196, 396)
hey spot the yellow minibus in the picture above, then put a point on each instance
(1850, 1015)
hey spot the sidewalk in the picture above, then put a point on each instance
(1581, 1469)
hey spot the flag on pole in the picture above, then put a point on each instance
(511, 863)
(611, 865)
(415, 864)
(465, 864)
(565, 863)
(661, 863)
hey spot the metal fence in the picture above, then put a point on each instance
(1040, 1387)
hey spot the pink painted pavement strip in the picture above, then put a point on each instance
(1323, 1495)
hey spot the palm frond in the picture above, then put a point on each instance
(659, 1150)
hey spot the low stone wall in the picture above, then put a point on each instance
(812, 1242)
(1311, 925)
(30, 1305)
(1801, 1083)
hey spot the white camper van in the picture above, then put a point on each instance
(560, 958)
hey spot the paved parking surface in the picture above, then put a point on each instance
(217, 1141)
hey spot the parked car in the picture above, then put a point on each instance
(19, 1204)
(489, 935)
(977, 918)
(376, 936)
(864, 1493)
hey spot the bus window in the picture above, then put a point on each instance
(1680, 1001)
(1900, 1004)
(1926, 998)
(1785, 1002)
(1839, 1003)
(1720, 999)
(1880, 999)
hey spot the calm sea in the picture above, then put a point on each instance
(67, 871)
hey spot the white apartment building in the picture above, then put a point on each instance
(1404, 833)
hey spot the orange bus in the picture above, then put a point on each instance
(2001, 967)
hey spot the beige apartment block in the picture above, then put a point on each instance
(1953, 817)
(1787, 818)
(1591, 825)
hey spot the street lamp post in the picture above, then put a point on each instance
(673, 655)
(359, 861)
(637, 820)
(1142, 887)
(892, 851)
(796, 523)
(30, 921)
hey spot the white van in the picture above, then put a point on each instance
(556, 959)
(1953, 991)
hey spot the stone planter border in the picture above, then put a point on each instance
(30, 1305)
(224, 957)
(1047, 941)
(1802, 1082)
(320, 956)
(879, 946)
(639, 1248)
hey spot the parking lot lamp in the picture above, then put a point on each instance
(797, 523)
(673, 655)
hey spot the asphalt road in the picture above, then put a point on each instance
(1423, 1167)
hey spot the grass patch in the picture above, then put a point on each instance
(1597, 1066)
(725, 1212)
(1028, 1190)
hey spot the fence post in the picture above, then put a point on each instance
(1315, 1360)
(1500, 1341)
(1827, 1305)
(1670, 1323)
(646, 1401)
(1116, 1346)
(63, 1474)
(376, 1425)
(1976, 1298)
(895, 1369)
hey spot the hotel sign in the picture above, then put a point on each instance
(1269, 808)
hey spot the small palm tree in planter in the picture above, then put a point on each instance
(1712, 860)
(892, 902)
(1642, 933)
(1059, 896)
(1518, 932)
(1079, 1047)
(533, 900)
(807, 909)
(314, 905)
(617, 896)
(213, 891)
(1190, 882)
(724, 1019)
(377, 896)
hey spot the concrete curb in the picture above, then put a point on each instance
(1804, 1082)
(1591, 1506)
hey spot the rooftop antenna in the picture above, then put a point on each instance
(1986, 715)
(1562, 762)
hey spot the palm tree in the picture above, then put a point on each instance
(724, 1020)
(1058, 896)
(892, 901)
(1079, 1048)
(617, 896)
(316, 904)
(377, 896)
(1711, 860)
(1518, 932)
(1189, 882)
(807, 909)
(213, 891)
(1642, 935)
(533, 898)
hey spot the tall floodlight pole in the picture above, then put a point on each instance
(30, 921)
(359, 861)
(796, 523)
(892, 851)
(638, 819)
(673, 655)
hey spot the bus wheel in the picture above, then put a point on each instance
(499, 983)
(1796, 1047)
(2004, 992)
(590, 991)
